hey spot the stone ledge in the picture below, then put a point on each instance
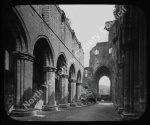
(120, 110)
(73, 104)
(63, 106)
(23, 112)
(49, 108)
(129, 116)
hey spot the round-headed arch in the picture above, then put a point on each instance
(43, 46)
(15, 31)
(47, 41)
(79, 76)
(72, 71)
(61, 64)
(100, 72)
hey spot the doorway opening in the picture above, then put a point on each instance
(104, 88)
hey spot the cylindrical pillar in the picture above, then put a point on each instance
(78, 92)
(50, 82)
(121, 66)
(142, 59)
(73, 89)
(131, 80)
(63, 81)
(127, 81)
(24, 69)
(136, 85)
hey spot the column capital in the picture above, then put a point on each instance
(121, 65)
(49, 68)
(23, 55)
(72, 80)
(79, 83)
(64, 75)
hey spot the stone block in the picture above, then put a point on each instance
(24, 112)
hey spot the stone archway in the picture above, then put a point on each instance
(72, 84)
(61, 84)
(100, 72)
(43, 71)
(17, 62)
(104, 88)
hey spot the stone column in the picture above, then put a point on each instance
(142, 61)
(73, 89)
(136, 85)
(145, 64)
(127, 80)
(24, 74)
(78, 84)
(118, 90)
(121, 66)
(77, 91)
(131, 80)
(66, 88)
(63, 88)
(50, 85)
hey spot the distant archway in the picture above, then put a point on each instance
(99, 73)
(104, 85)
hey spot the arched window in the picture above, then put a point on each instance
(96, 52)
(110, 50)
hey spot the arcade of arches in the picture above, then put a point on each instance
(35, 68)
(38, 47)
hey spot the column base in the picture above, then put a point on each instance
(79, 103)
(49, 108)
(24, 112)
(63, 106)
(120, 110)
(129, 116)
(73, 104)
(116, 106)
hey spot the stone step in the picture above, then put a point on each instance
(24, 112)
(129, 116)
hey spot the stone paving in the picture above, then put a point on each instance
(102, 111)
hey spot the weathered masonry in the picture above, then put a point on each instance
(101, 64)
(128, 37)
(40, 56)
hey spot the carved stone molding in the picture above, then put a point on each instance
(72, 80)
(64, 75)
(78, 83)
(23, 55)
(49, 68)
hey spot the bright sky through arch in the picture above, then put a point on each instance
(104, 81)
(86, 21)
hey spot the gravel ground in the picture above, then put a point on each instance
(102, 111)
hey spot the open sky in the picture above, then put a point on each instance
(86, 21)
(104, 81)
